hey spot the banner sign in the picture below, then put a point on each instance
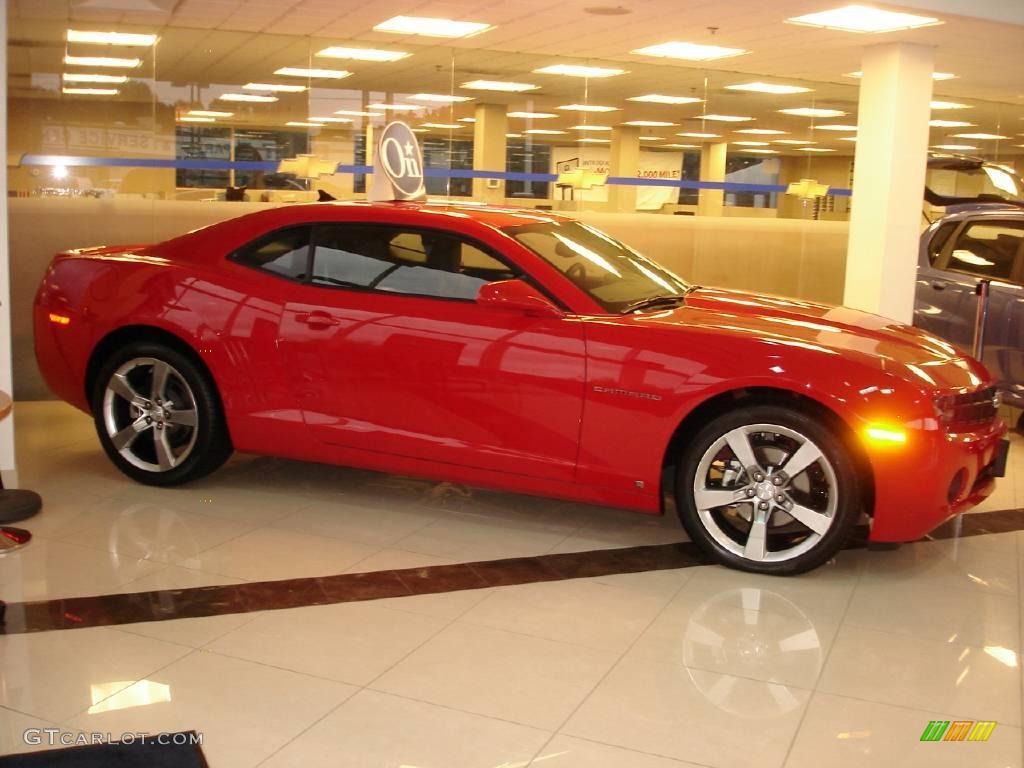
(397, 166)
(652, 165)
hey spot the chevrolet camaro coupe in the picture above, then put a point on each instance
(524, 351)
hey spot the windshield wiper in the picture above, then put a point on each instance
(653, 302)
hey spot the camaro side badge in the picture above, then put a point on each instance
(627, 393)
(397, 166)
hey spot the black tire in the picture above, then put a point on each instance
(826, 493)
(164, 440)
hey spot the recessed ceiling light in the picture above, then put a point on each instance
(251, 97)
(762, 131)
(694, 135)
(835, 127)
(689, 51)
(74, 77)
(543, 131)
(587, 140)
(101, 61)
(467, 119)
(196, 119)
(761, 151)
(431, 27)
(659, 98)
(949, 124)
(498, 85)
(751, 143)
(439, 98)
(361, 54)
(793, 142)
(649, 123)
(324, 74)
(861, 18)
(301, 124)
(396, 107)
(725, 118)
(954, 146)
(949, 105)
(768, 88)
(355, 113)
(91, 91)
(683, 146)
(446, 126)
(330, 119)
(979, 136)
(588, 108)
(209, 113)
(810, 112)
(110, 38)
(577, 70)
(935, 75)
(591, 127)
(814, 149)
(274, 87)
(533, 115)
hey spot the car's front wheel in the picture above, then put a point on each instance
(158, 415)
(768, 489)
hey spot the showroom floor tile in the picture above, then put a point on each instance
(550, 659)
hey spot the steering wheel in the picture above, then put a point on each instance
(577, 273)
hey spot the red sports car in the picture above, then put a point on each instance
(519, 350)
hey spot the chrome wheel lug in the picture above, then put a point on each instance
(758, 477)
(780, 499)
(763, 506)
(776, 480)
(750, 492)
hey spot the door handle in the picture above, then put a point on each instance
(939, 285)
(316, 320)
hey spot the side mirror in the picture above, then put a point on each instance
(517, 296)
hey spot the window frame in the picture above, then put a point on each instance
(944, 261)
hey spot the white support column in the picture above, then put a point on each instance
(8, 465)
(623, 161)
(888, 178)
(489, 143)
(711, 202)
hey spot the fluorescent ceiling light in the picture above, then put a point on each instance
(330, 119)
(793, 142)
(498, 85)
(861, 18)
(577, 70)
(74, 77)
(209, 113)
(949, 124)
(761, 151)
(684, 146)
(361, 54)
(751, 143)
(848, 138)
(431, 27)
(835, 127)
(274, 87)
(439, 98)
(762, 131)
(91, 91)
(300, 124)
(397, 107)
(809, 112)
(533, 115)
(693, 135)
(588, 108)
(725, 118)
(446, 126)
(467, 119)
(768, 88)
(591, 127)
(814, 149)
(101, 61)
(659, 98)
(196, 119)
(252, 97)
(110, 38)
(513, 135)
(979, 136)
(326, 74)
(649, 123)
(649, 138)
(543, 131)
(420, 130)
(949, 105)
(355, 113)
(689, 51)
(587, 140)
(954, 146)
(935, 75)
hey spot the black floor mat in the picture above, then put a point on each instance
(136, 755)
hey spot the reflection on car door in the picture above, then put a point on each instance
(957, 257)
(390, 353)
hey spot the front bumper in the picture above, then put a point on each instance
(934, 476)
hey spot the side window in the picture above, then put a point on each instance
(939, 239)
(284, 253)
(402, 261)
(988, 249)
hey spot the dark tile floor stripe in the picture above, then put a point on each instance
(162, 605)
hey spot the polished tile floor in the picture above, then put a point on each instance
(697, 666)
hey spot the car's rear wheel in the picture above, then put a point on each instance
(158, 416)
(768, 489)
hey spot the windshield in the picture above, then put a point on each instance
(613, 274)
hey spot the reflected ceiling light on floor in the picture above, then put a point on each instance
(75, 77)
(196, 119)
(108, 697)
(101, 61)
(979, 136)
(209, 113)
(649, 123)
(835, 127)
(546, 131)
(323, 74)
(811, 112)
(110, 38)
(591, 127)
(588, 108)
(659, 98)
(935, 75)
(725, 118)
(301, 124)
(694, 135)
(397, 107)
(863, 19)
(751, 143)
(355, 113)
(361, 54)
(90, 91)
(533, 115)
(949, 105)
(498, 85)
(432, 27)
(446, 126)
(274, 87)
(250, 97)
(768, 88)
(793, 142)
(578, 70)
(949, 124)
(439, 98)
(689, 51)
(762, 131)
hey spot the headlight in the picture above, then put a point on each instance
(967, 411)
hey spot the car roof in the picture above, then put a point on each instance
(492, 216)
